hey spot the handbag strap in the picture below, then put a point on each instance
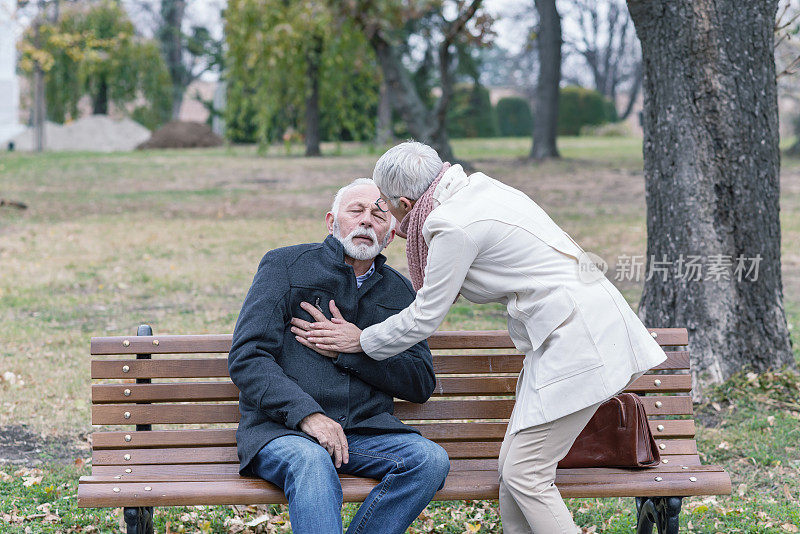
(622, 421)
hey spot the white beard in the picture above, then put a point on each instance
(359, 252)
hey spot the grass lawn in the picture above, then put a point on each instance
(172, 239)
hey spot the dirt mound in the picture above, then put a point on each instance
(99, 133)
(177, 134)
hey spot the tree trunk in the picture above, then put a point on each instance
(313, 57)
(39, 107)
(794, 150)
(545, 104)
(384, 134)
(419, 120)
(100, 99)
(711, 163)
(440, 137)
(39, 103)
(171, 36)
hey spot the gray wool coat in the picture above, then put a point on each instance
(281, 381)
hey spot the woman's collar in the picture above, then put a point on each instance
(452, 181)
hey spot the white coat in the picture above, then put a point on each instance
(491, 243)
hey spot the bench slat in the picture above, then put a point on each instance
(211, 343)
(157, 414)
(218, 367)
(445, 386)
(205, 455)
(227, 391)
(215, 472)
(676, 360)
(462, 431)
(666, 384)
(460, 485)
(472, 364)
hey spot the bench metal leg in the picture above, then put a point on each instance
(139, 520)
(661, 512)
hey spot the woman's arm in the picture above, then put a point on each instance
(450, 255)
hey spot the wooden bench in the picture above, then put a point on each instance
(190, 459)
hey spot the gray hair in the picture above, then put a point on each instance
(337, 199)
(406, 170)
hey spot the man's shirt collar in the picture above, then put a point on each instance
(360, 279)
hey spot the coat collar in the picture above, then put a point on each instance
(452, 181)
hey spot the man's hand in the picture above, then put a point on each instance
(329, 434)
(333, 335)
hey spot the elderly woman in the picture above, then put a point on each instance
(475, 236)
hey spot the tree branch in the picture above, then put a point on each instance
(458, 24)
(445, 58)
(13, 204)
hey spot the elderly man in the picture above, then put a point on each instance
(307, 414)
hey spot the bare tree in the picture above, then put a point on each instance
(545, 104)
(313, 59)
(606, 41)
(711, 163)
(423, 122)
(189, 49)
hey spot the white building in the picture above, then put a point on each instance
(9, 89)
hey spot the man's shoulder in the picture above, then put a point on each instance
(392, 276)
(291, 254)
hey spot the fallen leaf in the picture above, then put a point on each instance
(31, 481)
(9, 377)
(741, 490)
(25, 471)
(234, 525)
(258, 520)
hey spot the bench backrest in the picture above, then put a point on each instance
(176, 389)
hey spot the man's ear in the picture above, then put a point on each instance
(392, 233)
(329, 222)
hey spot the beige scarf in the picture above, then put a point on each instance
(411, 225)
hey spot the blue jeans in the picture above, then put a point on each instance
(410, 469)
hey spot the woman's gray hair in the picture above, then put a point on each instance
(406, 170)
(337, 199)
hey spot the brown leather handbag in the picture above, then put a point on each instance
(618, 435)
